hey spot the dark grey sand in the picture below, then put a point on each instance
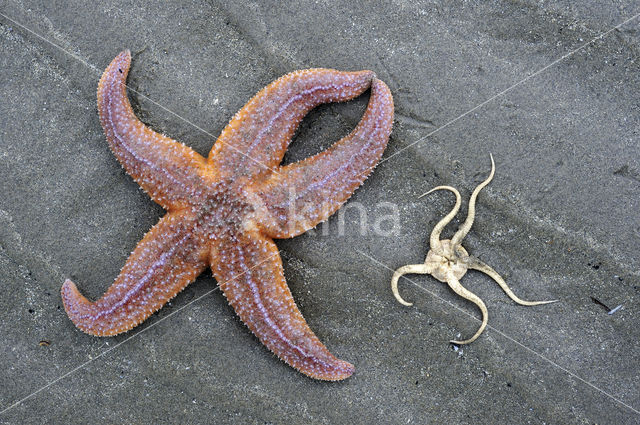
(531, 82)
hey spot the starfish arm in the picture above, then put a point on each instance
(476, 264)
(301, 195)
(434, 240)
(466, 226)
(249, 271)
(166, 260)
(408, 269)
(468, 295)
(167, 170)
(256, 139)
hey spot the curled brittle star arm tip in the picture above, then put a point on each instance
(455, 285)
(408, 269)
(471, 214)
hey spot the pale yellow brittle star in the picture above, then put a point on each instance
(448, 261)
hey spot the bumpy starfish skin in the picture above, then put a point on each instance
(224, 211)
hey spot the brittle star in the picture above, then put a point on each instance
(448, 261)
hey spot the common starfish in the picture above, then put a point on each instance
(448, 261)
(224, 210)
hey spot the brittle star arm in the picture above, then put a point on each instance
(288, 200)
(466, 226)
(434, 240)
(256, 139)
(165, 261)
(166, 169)
(261, 298)
(468, 295)
(475, 264)
(408, 269)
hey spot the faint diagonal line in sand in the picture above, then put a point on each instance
(91, 360)
(567, 371)
(508, 89)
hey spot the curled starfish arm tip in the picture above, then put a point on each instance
(290, 196)
(166, 169)
(256, 139)
(165, 261)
